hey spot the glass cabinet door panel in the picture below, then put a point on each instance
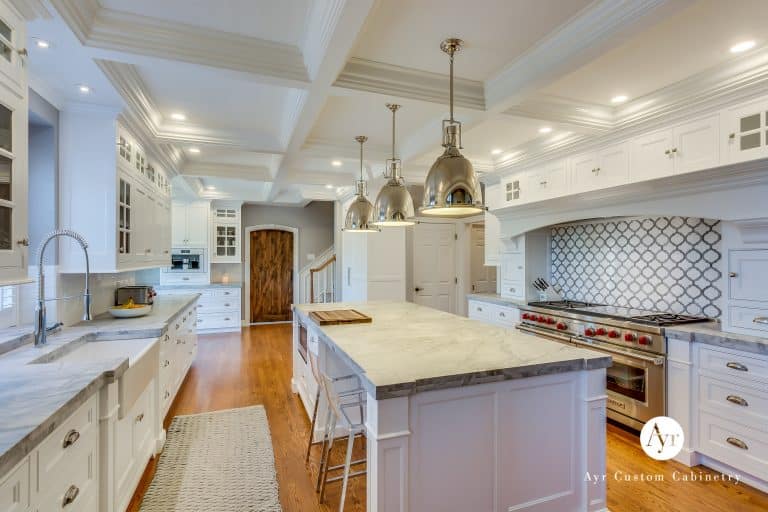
(5, 178)
(6, 139)
(6, 228)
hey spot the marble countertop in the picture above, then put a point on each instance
(38, 392)
(409, 349)
(711, 333)
(495, 298)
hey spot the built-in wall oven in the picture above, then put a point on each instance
(187, 261)
(636, 382)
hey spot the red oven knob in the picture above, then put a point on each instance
(589, 331)
(526, 316)
(614, 334)
(644, 340)
(561, 326)
(629, 336)
(550, 320)
(601, 331)
(542, 320)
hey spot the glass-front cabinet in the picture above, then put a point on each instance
(14, 241)
(226, 229)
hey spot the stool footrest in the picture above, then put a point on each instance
(351, 475)
(353, 463)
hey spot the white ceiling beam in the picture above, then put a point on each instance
(99, 27)
(389, 80)
(343, 23)
(229, 171)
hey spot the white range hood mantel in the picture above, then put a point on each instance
(736, 193)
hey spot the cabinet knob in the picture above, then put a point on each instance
(140, 418)
(674, 151)
(543, 183)
(417, 289)
(731, 136)
(760, 320)
(24, 242)
(70, 496)
(732, 274)
(71, 438)
(667, 152)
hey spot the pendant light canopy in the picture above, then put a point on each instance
(360, 215)
(394, 205)
(451, 188)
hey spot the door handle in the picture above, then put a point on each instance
(417, 289)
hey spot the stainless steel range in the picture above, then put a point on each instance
(633, 338)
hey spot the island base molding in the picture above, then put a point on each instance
(522, 444)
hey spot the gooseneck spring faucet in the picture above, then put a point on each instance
(40, 319)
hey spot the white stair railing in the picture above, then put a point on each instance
(317, 280)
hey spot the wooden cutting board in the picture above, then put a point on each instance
(339, 316)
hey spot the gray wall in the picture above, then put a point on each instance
(43, 171)
(314, 222)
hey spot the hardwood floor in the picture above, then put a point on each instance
(234, 370)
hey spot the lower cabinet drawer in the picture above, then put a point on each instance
(513, 289)
(73, 489)
(505, 316)
(745, 404)
(76, 435)
(734, 444)
(753, 319)
(734, 363)
(217, 320)
(15, 489)
(478, 310)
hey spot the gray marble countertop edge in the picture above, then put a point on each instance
(495, 298)
(709, 334)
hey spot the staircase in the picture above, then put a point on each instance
(317, 280)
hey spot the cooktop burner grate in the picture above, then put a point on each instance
(667, 319)
(563, 304)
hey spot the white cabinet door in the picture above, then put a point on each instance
(197, 225)
(697, 145)
(651, 156)
(514, 190)
(584, 172)
(746, 135)
(748, 275)
(613, 166)
(142, 211)
(434, 268)
(178, 225)
(549, 181)
(492, 239)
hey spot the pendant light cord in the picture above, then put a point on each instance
(361, 158)
(451, 84)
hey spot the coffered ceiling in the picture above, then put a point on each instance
(260, 99)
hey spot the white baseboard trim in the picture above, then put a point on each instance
(746, 478)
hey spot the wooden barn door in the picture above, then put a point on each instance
(271, 275)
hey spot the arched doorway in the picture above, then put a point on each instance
(271, 268)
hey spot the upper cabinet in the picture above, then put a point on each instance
(14, 240)
(547, 181)
(121, 208)
(600, 169)
(492, 225)
(225, 231)
(746, 129)
(190, 224)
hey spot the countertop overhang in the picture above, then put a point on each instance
(410, 349)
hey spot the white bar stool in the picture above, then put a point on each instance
(340, 406)
(353, 397)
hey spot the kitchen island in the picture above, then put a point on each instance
(464, 416)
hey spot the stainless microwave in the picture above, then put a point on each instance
(187, 261)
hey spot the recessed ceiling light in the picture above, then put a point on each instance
(43, 44)
(211, 187)
(194, 150)
(621, 98)
(178, 116)
(336, 163)
(545, 129)
(742, 46)
(329, 186)
(496, 151)
(84, 89)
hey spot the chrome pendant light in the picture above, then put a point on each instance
(394, 205)
(360, 215)
(451, 188)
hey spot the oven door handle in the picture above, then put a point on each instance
(620, 355)
(552, 336)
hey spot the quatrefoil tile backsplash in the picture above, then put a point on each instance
(662, 263)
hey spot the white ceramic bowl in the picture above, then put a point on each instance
(130, 313)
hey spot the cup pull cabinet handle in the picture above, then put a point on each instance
(738, 443)
(71, 438)
(760, 320)
(737, 366)
(70, 496)
(737, 400)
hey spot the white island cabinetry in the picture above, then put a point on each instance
(465, 427)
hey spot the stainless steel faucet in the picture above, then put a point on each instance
(40, 320)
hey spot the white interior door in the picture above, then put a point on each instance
(434, 266)
(482, 277)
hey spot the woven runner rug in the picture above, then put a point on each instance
(216, 462)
